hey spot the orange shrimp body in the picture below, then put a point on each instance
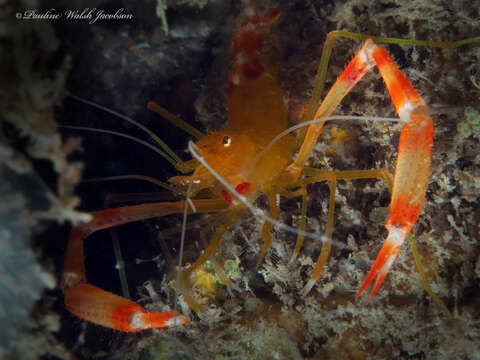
(253, 122)
(257, 114)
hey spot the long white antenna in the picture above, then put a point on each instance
(325, 119)
(195, 151)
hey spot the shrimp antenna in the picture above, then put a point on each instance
(162, 184)
(194, 150)
(324, 119)
(175, 120)
(116, 133)
(167, 152)
(188, 202)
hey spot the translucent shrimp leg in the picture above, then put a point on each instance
(303, 218)
(320, 175)
(412, 168)
(268, 226)
(226, 222)
(101, 307)
(327, 245)
(313, 175)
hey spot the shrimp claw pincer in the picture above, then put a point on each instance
(412, 168)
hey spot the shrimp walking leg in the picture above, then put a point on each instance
(303, 219)
(101, 307)
(323, 175)
(228, 220)
(268, 226)
(117, 250)
(313, 175)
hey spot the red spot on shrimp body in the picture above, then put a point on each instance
(243, 188)
(227, 197)
(253, 69)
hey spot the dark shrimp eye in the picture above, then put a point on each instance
(227, 141)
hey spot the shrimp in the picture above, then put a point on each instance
(234, 166)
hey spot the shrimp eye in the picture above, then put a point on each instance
(227, 141)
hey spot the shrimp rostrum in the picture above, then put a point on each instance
(236, 165)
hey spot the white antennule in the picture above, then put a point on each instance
(116, 133)
(324, 119)
(169, 154)
(116, 113)
(188, 202)
(150, 179)
(194, 150)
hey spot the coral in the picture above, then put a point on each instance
(36, 185)
(204, 280)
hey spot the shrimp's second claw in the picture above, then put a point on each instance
(103, 308)
(384, 261)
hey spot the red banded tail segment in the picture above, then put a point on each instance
(412, 168)
(247, 45)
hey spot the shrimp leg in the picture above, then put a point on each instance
(268, 226)
(226, 222)
(303, 218)
(412, 168)
(330, 176)
(315, 175)
(354, 71)
(101, 307)
(415, 147)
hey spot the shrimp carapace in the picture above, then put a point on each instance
(256, 114)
